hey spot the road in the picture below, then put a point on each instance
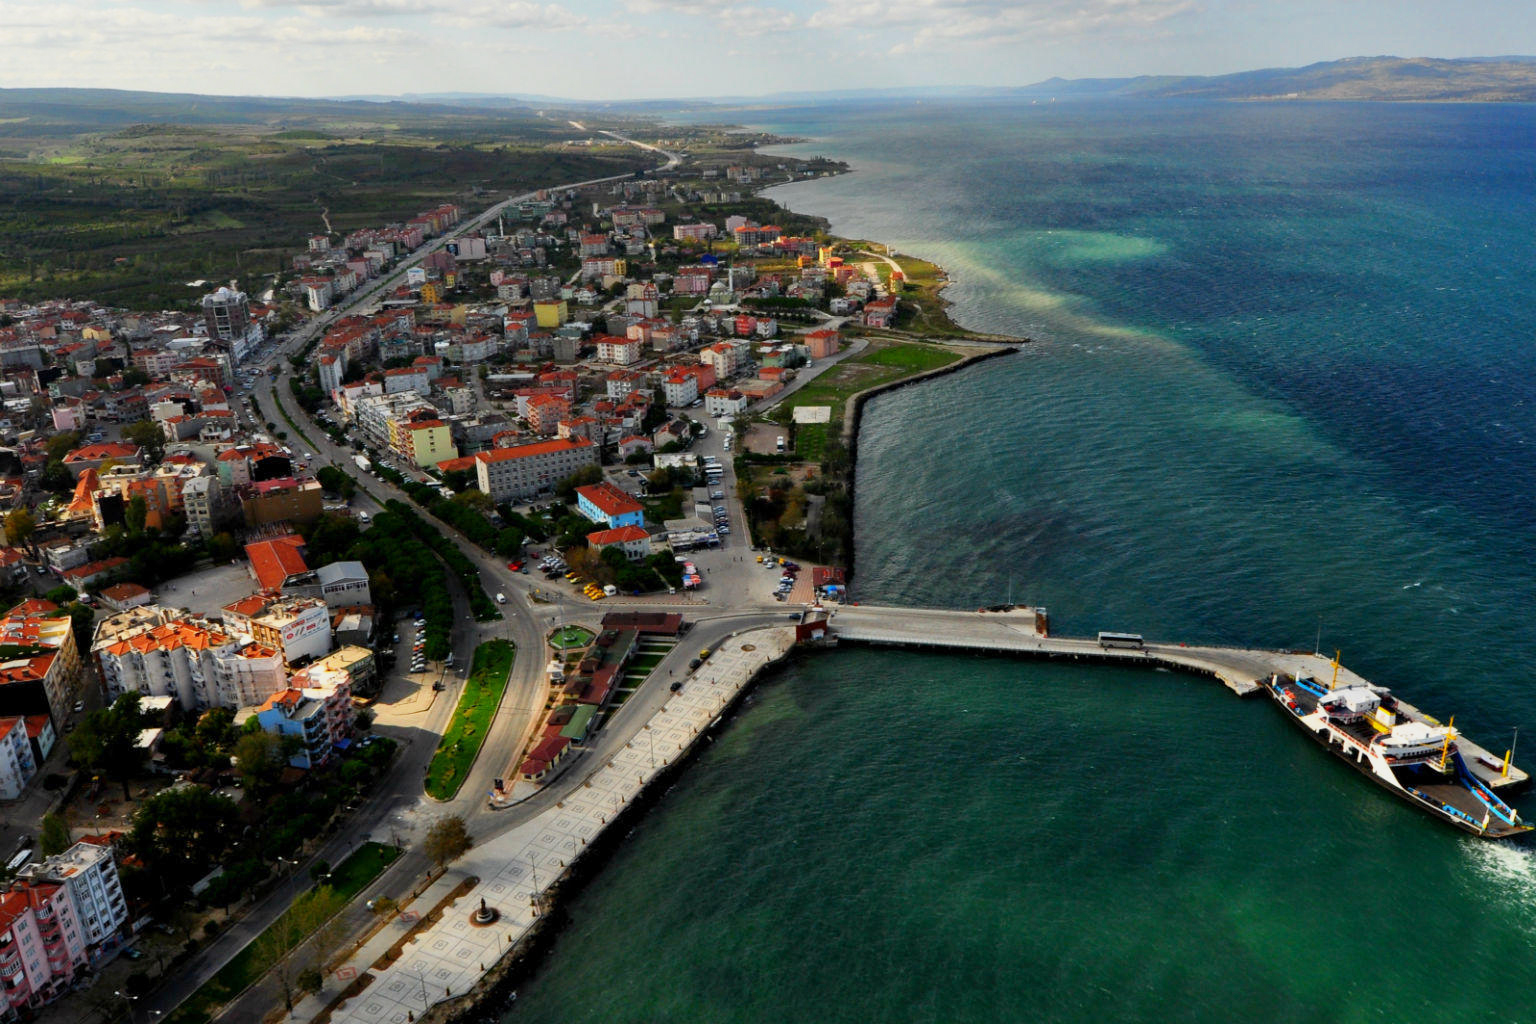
(397, 808)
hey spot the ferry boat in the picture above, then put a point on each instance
(1415, 760)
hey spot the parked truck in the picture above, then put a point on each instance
(363, 463)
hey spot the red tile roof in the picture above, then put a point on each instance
(275, 560)
(523, 451)
(609, 500)
(616, 536)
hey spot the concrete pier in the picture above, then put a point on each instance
(1243, 671)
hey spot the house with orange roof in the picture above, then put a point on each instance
(632, 540)
(83, 576)
(273, 561)
(94, 456)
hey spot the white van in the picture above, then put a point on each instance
(501, 598)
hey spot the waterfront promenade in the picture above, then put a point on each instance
(447, 958)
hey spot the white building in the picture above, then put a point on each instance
(298, 627)
(17, 766)
(333, 367)
(343, 584)
(725, 402)
(525, 470)
(202, 501)
(159, 652)
(89, 873)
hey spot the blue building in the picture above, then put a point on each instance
(606, 504)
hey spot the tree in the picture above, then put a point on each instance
(477, 500)
(54, 837)
(258, 758)
(81, 618)
(56, 477)
(566, 489)
(222, 548)
(276, 946)
(19, 526)
(60, 445)
(108, 741)
(136, 515)
(147, 435)
(335, 481)
(180, 833)
(446, 840)
(319, 871)
(62, 594)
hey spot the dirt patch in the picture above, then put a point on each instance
(763, 438)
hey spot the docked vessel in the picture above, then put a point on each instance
(1415, 759)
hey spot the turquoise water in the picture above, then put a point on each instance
(1282, 385)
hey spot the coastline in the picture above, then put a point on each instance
(496, 992)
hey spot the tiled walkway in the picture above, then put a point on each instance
(448, 958)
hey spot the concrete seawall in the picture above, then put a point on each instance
(853, 416)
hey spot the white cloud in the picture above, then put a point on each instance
(947, 22)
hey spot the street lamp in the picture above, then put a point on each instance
(132, 1002)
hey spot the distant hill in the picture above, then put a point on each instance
(64, 112)
(1402, 79)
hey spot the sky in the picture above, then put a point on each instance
(631, 49)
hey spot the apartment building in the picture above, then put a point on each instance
(522, 471)
(156, 652)
(41, 674)
(88, 872)
(17, 765)
(319, 718)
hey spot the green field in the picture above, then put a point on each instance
(811, 441)
(126, 198)
(471, 719)
(349, 878)
(882, 363)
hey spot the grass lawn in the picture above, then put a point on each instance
(882, 363)
(668, 507)
(811, 441)
(346, 881)
(570, 637)
(477, 706)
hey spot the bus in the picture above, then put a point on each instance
(1131, 641)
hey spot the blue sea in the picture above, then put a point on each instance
(1280, 393)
